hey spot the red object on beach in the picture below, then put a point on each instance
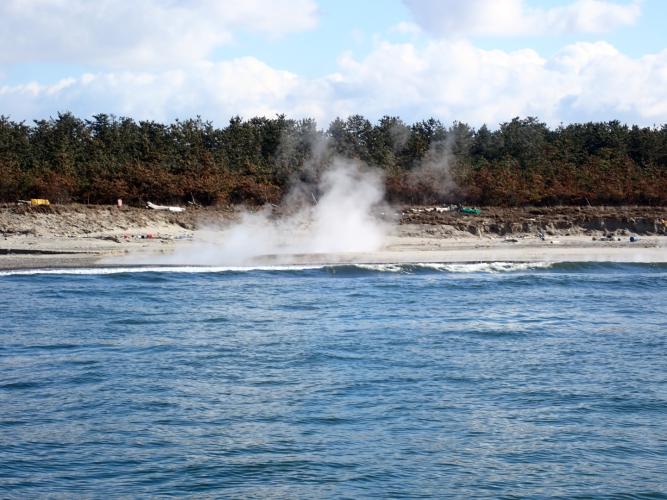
(120, 203)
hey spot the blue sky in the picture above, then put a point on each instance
(480, 61)
(349, 25)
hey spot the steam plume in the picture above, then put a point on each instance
(345, 218)
(434, 172)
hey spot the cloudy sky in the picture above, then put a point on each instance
(477, 61)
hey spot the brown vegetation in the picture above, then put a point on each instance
(256, 161)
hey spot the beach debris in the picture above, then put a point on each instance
(164, 207)
(470, 210)
(634, 239)
(39, 201)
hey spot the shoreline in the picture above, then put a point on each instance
(89, 236)
(648, 250)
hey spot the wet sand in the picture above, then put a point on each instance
(399, 249)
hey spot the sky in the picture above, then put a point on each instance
(475, 61)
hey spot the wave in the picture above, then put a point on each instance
(153, 269)
(380, 268)
(358, 269)
(487, 267)
(473, 267)
(467, 267)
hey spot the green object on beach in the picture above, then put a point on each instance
(472, 211)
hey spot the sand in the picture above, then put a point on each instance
(75, 237)
(59, 253)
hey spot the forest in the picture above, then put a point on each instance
(256, 161)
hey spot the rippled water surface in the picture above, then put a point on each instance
(367, 381)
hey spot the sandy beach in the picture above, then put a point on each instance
(80, 236)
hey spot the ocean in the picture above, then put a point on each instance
(383, 381)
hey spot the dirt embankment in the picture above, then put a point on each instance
(95, 221)
(551, 221)
(109, 222)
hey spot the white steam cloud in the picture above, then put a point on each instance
(434, 172)
(346, 218)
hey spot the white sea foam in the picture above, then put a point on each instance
(154, 269)
(473, 267)
(383, 268)
(485, 267)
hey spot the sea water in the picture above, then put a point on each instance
(475, 380)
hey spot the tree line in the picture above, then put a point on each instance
(256, 161)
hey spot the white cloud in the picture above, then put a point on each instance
(517, 18)
(605, 81)
(140, 33)
(217, 90)
(406, 28)
(456, 80)
(451, 80)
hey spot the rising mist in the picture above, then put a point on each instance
(343, 213)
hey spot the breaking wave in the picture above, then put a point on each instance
(468, 267)
(154, 269)
(473, 267)
(487, 267)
